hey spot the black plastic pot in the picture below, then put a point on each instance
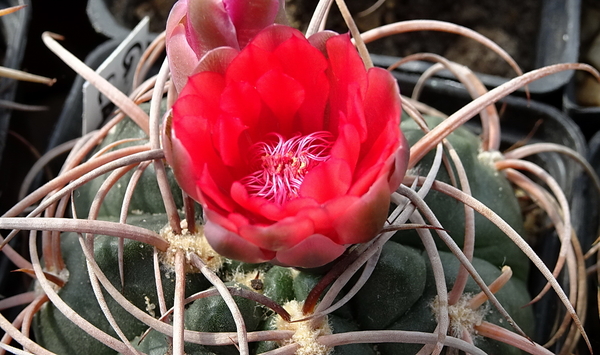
(590, 205)
(69, 122)
(111, 19)
(103, 20)
(518, 120)
(558, 42)
(14, 38)
(116, 18)
(588, 118)
(578, 98)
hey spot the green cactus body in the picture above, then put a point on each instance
(396, 284)
(398, 295)
(488, 186)
(148, 201)
(61, 336)
(381, 303)
(154, 343)
(279, 284)
(421, 317)
(211, 314)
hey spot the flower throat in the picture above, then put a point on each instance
(282, 164)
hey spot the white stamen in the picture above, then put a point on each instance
(282, 164)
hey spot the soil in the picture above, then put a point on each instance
(512, 24)
(588, 88)
(130, 12)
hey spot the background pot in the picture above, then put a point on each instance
(581, 99)
(518, 120)
(14, 29)
(12, 47)
(116, 18)
(547, 33)
(25, 50)
(69, 123)
(587, 117)
(589, 206)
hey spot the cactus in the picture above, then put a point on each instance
(324, 244)
(398, 295)
(487, 185)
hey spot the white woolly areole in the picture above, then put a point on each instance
(189, 243)
(305, 334)
(63, 275)
(490, 158)
(462, 317)
(253, 279)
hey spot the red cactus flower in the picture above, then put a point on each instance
(292, 147)
(195, 27)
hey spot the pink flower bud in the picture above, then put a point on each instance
(292, 147)
(195, 27)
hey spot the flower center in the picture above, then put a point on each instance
(282, 164)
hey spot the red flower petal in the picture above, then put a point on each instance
(240, 99)
(251, 64)
(321, 218)
(261, 210)
(298, 205)
(280, 235)
(355, 112)
(400, 164)
(226, 135)
(365, 179)
(337, 207)
(319, 40)
(207, 87)
(230, 221)
(183, 59)
(363, 219)
(385, 145)
(313, 111)
(215, 194)
(233, 246)
(273, 36)
(300, 60)
(206, 32)
(351, 113)
(307, 66)
(347, 146)
(187, 132)
(345, 63)
(347, 72)
(249, 17)
(314, 251)
(283, 95)
(216, 60)
(382, 106)
(327, 180)
(183, 167)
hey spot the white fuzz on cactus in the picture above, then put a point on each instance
(463, 318)
(189, 243)
(489, 158)
(306, 333)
